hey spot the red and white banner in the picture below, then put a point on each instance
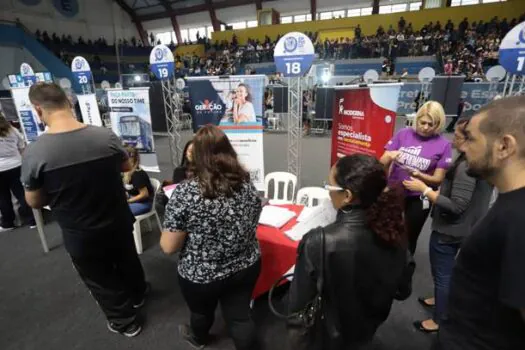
(364, 119)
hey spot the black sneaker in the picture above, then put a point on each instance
(141, 302)
(131, 331)
(186, 334)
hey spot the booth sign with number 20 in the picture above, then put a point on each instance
(294, 54)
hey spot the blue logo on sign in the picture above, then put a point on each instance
(159, 54)
(521, 37)
(67, 8)
(290, 44)
(79, 64)
(25, 69)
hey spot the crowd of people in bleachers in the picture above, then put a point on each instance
(465, 48)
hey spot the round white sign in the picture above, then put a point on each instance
(294, 54)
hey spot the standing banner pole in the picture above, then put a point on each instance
(294, 54)
(162, 64)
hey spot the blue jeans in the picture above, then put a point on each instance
(442, 261)
(139, 208)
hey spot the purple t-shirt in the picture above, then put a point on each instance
(417, 153)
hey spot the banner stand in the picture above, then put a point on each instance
(173, 110)
(295, 126)
(87, 99)
(162, 65)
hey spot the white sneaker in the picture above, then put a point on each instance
(5, 229)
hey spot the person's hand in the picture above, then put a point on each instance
(392, 155)
(416, 174)
(415, 185)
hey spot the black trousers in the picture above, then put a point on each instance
(415, 217)
(115, 277)
(10, 182)
(234, 294)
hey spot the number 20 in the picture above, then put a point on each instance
(293, 68)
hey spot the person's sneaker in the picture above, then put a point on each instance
(141, 302)
(131, 331)
(186, 334)
(5, 229)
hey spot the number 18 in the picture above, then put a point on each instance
(521, 62)
(293, 68)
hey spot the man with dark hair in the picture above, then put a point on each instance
(486, 308)
(76, 170)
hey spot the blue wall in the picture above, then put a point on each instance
(14, 36)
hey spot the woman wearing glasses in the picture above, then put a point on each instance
(364, 258)
(422, 153)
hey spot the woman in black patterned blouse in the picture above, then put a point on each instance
(212, 218)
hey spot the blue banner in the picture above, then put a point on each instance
(206, 105)
(475, 95)
(29, 125)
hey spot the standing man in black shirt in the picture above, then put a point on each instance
(486, 309)
(76, 170)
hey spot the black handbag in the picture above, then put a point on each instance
(303, 326)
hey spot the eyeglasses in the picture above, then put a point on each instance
(329, 187)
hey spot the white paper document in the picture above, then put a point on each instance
(322, 215)
(275, 216)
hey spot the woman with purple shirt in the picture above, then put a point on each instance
(421, 153)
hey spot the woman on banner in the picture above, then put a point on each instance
(364, 255)
(460, 202)
(243, 110)
(212, 219)
(423, 153)
(138, 185)
(11, 147)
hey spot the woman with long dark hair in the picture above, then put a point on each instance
(458, 205)
(11, 147)
(182, 172)
(212, 219)
(365, 252)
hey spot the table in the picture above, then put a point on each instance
(278, 253)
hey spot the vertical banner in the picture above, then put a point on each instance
(89, 109)
(29, 121)
(364, 119)
(131, 121)
(235, 104)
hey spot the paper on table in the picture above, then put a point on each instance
(168, 190)
(275, 216)
(322, 215)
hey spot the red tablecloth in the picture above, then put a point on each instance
(278, 252)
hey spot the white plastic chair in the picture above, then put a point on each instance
(137, 234)
(307, 195)
(278, 178)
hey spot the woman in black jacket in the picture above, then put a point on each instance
(365, 257)
(458, 205)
